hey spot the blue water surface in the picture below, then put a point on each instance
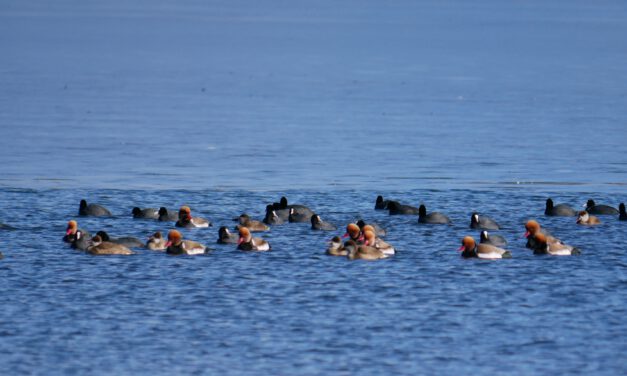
(226, 106)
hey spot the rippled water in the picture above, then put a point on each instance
(227, 106)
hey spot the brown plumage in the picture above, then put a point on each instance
(99, 247)
(587, 219)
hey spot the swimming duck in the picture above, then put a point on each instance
(318, 224)
(381, 204)
(363, 252)
(559, 210)
(433, 218)
(81, 241)
(187, 221)
(336, 248)
(127, 241)
(593, 208)
(272, 218)
(372, 240)
(94, 210)
(156, 242)
(483, 222)
(483, 251)
(226, 237)
(496, 240)
(533, 229)
(246, 242)
(71, 230)
(252, 225)
(396, 208)
(543, 247)
(100, 247)
(586, 219)
(177, 246)
(378, 230)
(354, 232)
(623, 215)
(166, 215)
(147, 213)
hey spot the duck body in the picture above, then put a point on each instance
(587, 219)
(251, 224)
(272, 218)
(127, 241)
(378, 230)
(81, 241)
(318, 224)
(299, 216)
(543, 247)
(372, 241)
(177, 246)
(146, 213)
(93, 210)
(483, 222)
(156, 242)
(470, 249)
(381, 204)
(495, 240)
(396, 208)
(187, 221)
(246, 242)
(533, 230)
(226, 237)
(363, 252)
(100, 247)
(559, 210)
(167, 215)
(433, 218)
(593, 208)
(336, 248)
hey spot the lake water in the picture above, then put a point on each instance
(227, 106)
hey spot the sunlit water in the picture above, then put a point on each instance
(227, 106)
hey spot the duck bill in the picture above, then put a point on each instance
(526, 234)
(345, 236)
(169, 243)
(68, 231)
(240, 241)
(460, 249)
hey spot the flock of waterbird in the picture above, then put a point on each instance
(364, 239)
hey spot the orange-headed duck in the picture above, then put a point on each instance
(253, 225)
(470, 249)
(544, 247)
(318, 224)
(187, 221)
(167, 215)
(482, 222)
(533, 229)
(396, 208)
(354, 232)
(622, 216)
(146, 213)
(496, 240)
(593, 208)
(381, 204)
(71, 230)
(372, 241)
(100, 247)
(378, 230)
(127, 241)
(587, 219)
(363, 252)
(433, 218)
(177, 246)
(559, 210)
(336, 248)
(246, 242)
(94, 210)
(226, 237)
(156, 242)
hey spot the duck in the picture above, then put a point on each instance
(101, 247)
(299, 209)
(336, 248)
(483, 222)
(272, 218)
(354, 232)
(378, 230)
(363, 252)
(156, 242)
(297, 216)
(166, 215)
(71, 230)
(246, 242)
(127, 241)
(226, 237)
(587, 219)
(533, 228)
(252, 225)
(544, 247)
(177, 246)
(470, 249)
(318, 224)
(372, 240)
(381, 204)
(496, 240)
(93, 210)
(187, 221)
(396, 208)
(559, 210)
(593, 208)
(433, 218)
(81, 241)
(147, 213)
(622, 216)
